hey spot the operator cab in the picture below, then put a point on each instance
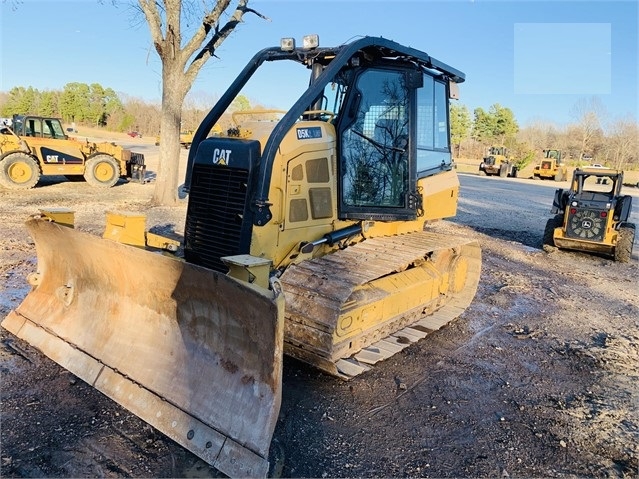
(392, 130)
(357, 146)
(389, 106)
(38, 127)
(598, 181)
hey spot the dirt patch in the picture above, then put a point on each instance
(537, 378)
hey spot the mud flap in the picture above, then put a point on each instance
(194, 353)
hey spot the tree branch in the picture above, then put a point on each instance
(153, 18)
(222, 33)
(211, 21)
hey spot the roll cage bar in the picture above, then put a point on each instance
(333, 59)
(580, 177)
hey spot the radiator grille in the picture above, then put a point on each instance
(214, 217)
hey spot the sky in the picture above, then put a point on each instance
(542, 59)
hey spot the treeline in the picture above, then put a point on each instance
(85, 104)
(589, 139)
(91, 105)
(96, 106)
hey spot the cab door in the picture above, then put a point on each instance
(58, 154)
(375, 169)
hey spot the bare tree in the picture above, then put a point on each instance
(589, 115)
(539, 136)
(622, 145)
(181, 62)
(196, 105)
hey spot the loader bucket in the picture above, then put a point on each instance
(194, 353)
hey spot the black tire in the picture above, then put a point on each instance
(559, 176)
(549, 230)
(625, 240)
(513, 172)
(536, 177)
(19, 171)
(503, 171)
(102, 171)
(482, 173)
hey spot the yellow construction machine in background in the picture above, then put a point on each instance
(592, 215)
(498, 162)
(306, 234)
(186, 138)
(37, 146)
(552, 167)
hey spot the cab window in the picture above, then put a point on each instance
(375, 151)
(53, 127)
(433, 149)
(33, 127)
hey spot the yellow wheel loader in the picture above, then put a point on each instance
(305, 235)
(552, 167)
(592, 215)
(497, 162)
(38, 146)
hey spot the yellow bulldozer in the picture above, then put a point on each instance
(35, 146)
(308, 236)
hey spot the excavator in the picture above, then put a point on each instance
(308, 235)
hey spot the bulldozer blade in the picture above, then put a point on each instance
(194, 353)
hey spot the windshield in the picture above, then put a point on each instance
(597, 184)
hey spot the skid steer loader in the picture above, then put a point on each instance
(592, 215)
(38, 146)
(305, 235)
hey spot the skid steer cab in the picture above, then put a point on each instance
(35, 146)
(592, 215)
(307, 233)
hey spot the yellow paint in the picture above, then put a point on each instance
(127, 228)
(399, 292)
(63, 216)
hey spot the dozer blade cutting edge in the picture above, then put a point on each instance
(194, 353)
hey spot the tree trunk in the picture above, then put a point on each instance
(173, 93)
